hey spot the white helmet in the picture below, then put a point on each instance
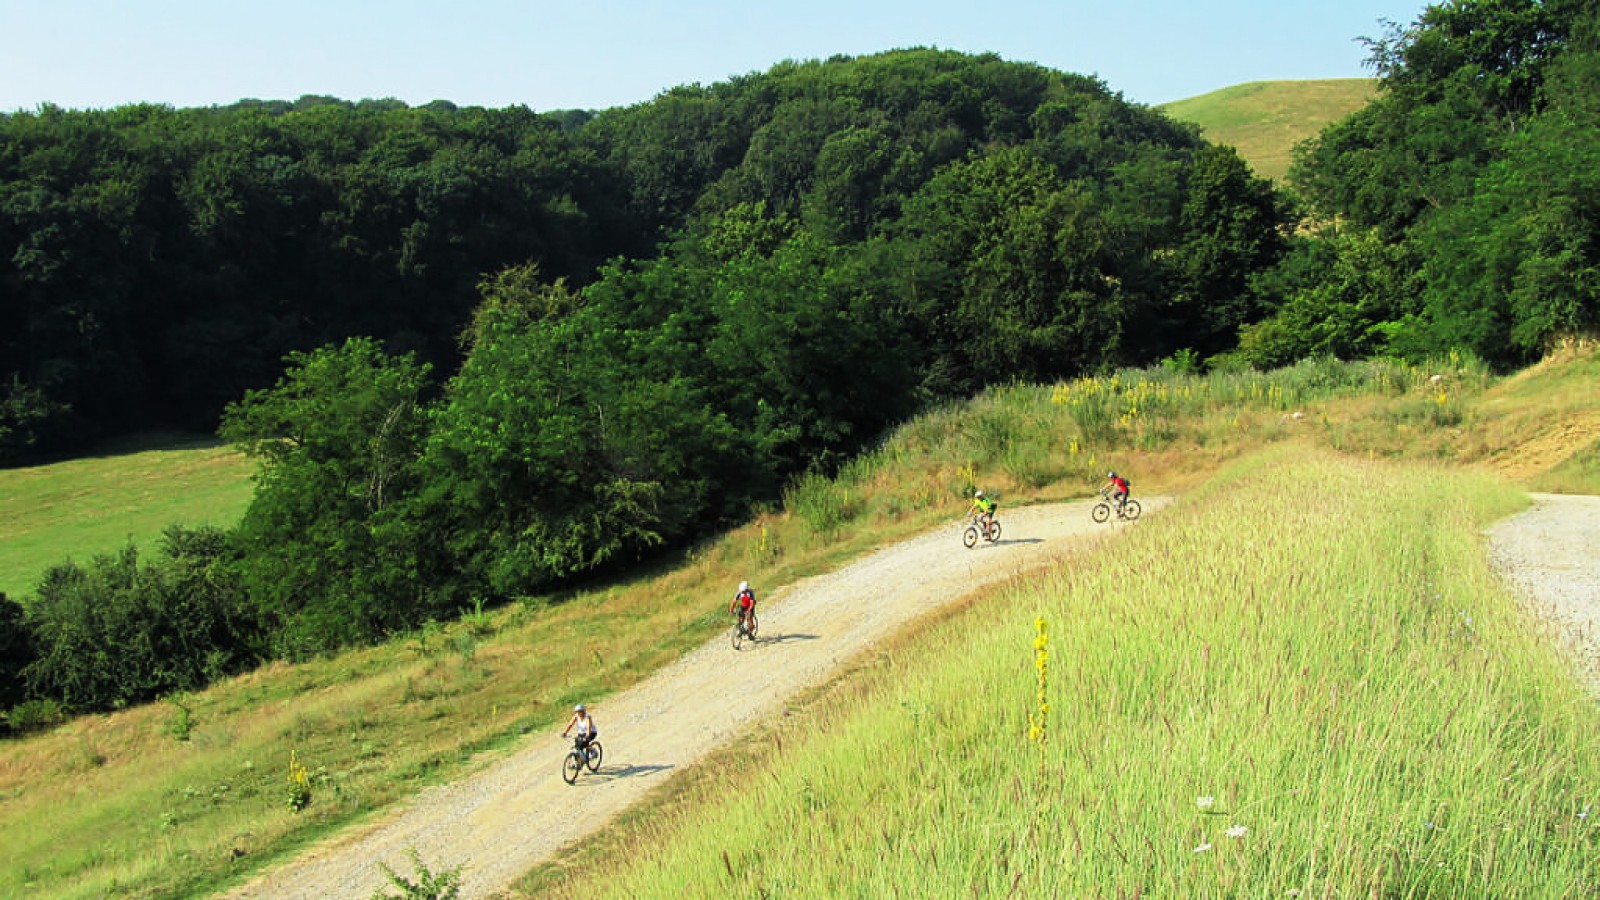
(579, 708)
(978, 494)
(744, 585)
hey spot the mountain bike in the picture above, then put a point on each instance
(579, 758)
(1127, 510)
(977, 529)
(745, 630)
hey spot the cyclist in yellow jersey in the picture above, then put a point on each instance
(984, 508)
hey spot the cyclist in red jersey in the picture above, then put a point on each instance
(744, 603)
(1119, 488)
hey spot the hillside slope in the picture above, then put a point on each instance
(504, 819)
(1264, 120)
(1266, 691)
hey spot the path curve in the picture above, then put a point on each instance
(501, 821)
(1551, 553)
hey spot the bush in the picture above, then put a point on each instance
(34, 715)
(429, 885)
(821, 504)
(118, 632)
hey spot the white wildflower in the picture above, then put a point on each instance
(1202, 848)
(1238, 831)
(1205, 802)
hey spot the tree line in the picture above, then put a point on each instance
(759, 277)
(159, 262)
(1460, 209)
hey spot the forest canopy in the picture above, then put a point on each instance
(161, 262)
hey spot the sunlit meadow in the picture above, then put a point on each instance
(1302, 680)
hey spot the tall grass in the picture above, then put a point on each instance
(1300, 681)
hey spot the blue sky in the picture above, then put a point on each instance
(576, 54)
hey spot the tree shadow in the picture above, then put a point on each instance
(1003, 542)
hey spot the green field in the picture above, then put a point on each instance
(96, 505)
(1265, 120)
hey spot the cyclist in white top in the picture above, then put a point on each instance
(581, 720)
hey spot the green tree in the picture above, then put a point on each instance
(1230, 228)
(1355, 299)
(16, 652)
(1475, 158)
(338, 437)
(566, 441)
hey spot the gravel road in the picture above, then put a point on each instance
(502, 820)
(1551, 553)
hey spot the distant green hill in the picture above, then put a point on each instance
(1266, 119)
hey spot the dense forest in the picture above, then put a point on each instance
(482, 353)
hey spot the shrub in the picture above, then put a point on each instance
(118, 632)
(36, 714)
(821, 504)
(429, 885)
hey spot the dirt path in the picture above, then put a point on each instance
(1551, 553)
(499, 822)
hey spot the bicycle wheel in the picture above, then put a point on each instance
(1131, 510)
(596, 752)
(571, 766)
(970, 536)
(994, 531)
(738, 635)
(752, 627)
(1101, 512)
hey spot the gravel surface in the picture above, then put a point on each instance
(503, 819)
(1551, 553)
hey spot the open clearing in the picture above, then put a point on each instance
(515, 811)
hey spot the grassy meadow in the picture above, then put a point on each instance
(96, 505)
(1278, 720)
(1303, 680)
(1265, 120)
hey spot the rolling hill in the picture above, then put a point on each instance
(1264, 120)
